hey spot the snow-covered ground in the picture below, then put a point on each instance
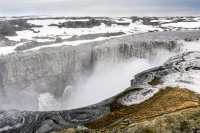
(126, 25)
(189, 80)
(8, 49)
(188, 57)
(64, 33)
(186, 25)
(162, 20)
(11, 49)
(189, 46)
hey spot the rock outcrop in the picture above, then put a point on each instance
(52, 69)
(45, 66)
(87, 24)
(170, 109)
(153, 115)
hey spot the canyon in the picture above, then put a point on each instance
(42, 84)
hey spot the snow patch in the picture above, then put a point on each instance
(46, 22)
(162, 20)
(138, 96)
(64, 33)
(187, 25)
(8, 49)
(189, 80)
(189, 46)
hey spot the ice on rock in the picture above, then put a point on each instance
(138, 96)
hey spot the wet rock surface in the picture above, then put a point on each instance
(53, 67)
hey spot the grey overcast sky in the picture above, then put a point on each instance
(100, 7)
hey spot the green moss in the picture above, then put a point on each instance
(182, 122)
(146, 129)
(172, 110)
(185, 126)
(166, 101)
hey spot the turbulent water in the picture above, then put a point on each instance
(108, 79)
(73, 77)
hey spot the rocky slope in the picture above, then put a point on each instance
(176, 82)
(179, 114)
(53, 69)
(164, 108)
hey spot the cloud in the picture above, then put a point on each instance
(100, 7)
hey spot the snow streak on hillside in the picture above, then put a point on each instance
(33, 33)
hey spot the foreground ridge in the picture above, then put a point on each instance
(170, 103)
(166, 102)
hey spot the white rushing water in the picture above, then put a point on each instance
(107, 80)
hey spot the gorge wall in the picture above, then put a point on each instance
(53, 69)
(146, 98)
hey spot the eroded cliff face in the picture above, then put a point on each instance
(53, 69)
(45, 71)
(113, 114)
(144, 96)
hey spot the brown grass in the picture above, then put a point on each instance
(166, 101)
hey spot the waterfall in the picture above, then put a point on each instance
(108, 79)
(49, 71)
